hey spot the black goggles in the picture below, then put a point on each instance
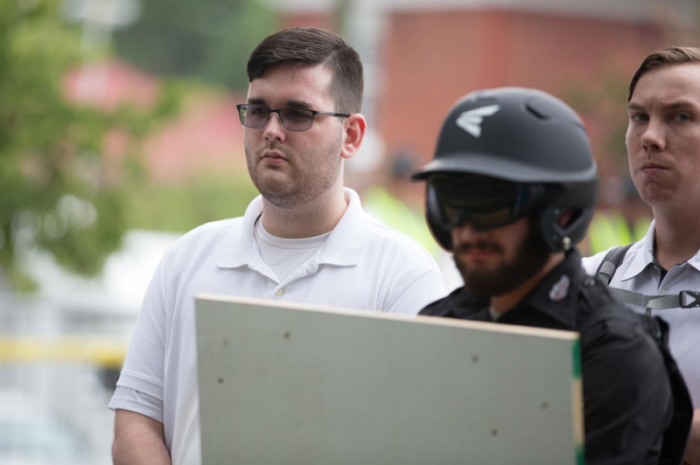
(484, 202)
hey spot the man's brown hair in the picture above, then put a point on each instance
(665, 57)
(314, 46)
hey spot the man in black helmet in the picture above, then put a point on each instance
(511, 192)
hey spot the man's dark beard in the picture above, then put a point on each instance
(529, 259)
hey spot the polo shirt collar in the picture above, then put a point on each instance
(555, 296)
(239, 248)
(643, 258)
(342, 248)
(694, 261)
(347, 240)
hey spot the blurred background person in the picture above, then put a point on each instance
(621, 217)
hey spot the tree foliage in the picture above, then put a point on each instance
(207, 40)
(184, 205)
(604, 100)
(57, 192)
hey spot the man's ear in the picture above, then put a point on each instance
(354, 128)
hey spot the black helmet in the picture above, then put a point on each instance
(531, 140)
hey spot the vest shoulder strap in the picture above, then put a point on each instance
(610, 264)
(612, 261)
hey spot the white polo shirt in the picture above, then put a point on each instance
(362, 265)
(640, 273)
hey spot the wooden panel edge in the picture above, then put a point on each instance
(432, 320)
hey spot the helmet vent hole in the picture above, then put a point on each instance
(536, 113)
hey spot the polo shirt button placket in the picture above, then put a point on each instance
(279, 292)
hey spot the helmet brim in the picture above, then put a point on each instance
(509, 170)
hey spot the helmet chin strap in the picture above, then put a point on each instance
(561, 231)
(563, 220)
(566, 243)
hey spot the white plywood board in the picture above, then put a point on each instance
(291, 384)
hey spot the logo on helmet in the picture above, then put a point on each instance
(471, 120)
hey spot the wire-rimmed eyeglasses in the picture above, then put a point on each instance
(256, 116)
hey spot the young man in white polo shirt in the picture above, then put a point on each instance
(306, 239)
(662, 270)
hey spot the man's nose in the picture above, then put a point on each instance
(653, 137)
(274, 129)
(466, 232)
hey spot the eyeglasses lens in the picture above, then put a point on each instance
(296, 119)
(293, 119)
(255, 116)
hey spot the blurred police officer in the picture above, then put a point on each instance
(660, 274)
(511, 192)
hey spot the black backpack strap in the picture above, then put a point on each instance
(611, 263)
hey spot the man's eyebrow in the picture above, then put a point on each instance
(680, 104)
(673, 105)
(298, 104)
(289, 103)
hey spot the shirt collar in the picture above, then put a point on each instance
(239, 247)
(347, 240)
(342, 248)
(643, 257)
(694, 261)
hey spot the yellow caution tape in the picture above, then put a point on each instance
(106, 352)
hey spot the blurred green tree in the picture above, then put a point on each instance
(192, 38)
(57, 192)
(185, 204)
(605, 102)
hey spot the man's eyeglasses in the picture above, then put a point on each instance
(256, 116)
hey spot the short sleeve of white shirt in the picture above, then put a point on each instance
(140, 385)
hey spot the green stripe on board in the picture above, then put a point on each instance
(580, 455)
(576, 353)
